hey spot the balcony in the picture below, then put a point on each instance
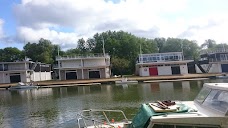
(82, 56)
(13, 69)
(220, 59)
(220, 50)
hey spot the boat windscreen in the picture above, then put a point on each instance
(203, 94)
(217, 100)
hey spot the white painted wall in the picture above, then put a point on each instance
(144, 71)
(23, 77)
(71, 63)
(197, 69)
(164, 70)
(107, 73)
(2, 78)
(183, 69)
(7, 76)
(18, 66)
(86, 62)
(41, 76)
(215, 68)
(94, 62)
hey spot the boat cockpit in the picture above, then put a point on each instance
(213, 99)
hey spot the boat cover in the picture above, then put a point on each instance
(142, 118)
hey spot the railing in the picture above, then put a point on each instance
(82, 56)
(85, 116)
(220, 50)
(79, 66)
(218, 59)
(13, 68)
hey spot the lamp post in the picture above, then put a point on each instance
(182, 49)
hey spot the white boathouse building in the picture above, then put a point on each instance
(24, 71)
(161, 64)
(213, 61)
(83, 66)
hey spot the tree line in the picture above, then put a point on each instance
(123, 47)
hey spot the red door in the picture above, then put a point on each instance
(153, 71)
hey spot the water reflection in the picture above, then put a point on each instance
(52, 107)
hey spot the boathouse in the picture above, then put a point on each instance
(213, 61)
(24, 71)
(83, 66)
(170, 63)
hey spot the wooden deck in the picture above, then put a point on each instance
(58, 83)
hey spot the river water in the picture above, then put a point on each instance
(57, 107)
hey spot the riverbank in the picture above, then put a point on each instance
(58, 83)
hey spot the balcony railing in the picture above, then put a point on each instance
(82, 56)
(13, 68)
(218, 59)
(220, 50)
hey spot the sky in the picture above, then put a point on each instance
(63, 22)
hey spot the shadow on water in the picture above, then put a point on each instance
(48, 107)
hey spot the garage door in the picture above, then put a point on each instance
(224, 67)
(71, 75)
(94, 74)
(191, 68)
(15, 78)
(175, 70)
(153, 71)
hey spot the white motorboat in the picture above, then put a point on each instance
(208, 110)
(22, 85)
(126, 81)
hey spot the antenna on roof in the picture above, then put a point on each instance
(103, 45)
(140, 49)
(140, 52)
(58, 49)
(25, 52)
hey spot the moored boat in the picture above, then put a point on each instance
(22, 85)
(126, 81)
(208, 110)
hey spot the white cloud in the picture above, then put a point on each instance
(147, 18)
(65, 40)
(212, 26)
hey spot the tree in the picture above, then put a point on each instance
(72, 52)
(119, 65)
(10, 54)
(160, 43)
(44, 51)
(82, 46)
(121, 45)
(209, 44)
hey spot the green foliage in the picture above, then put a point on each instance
(208, 44)
(72, 52)
(123, 47)
(44, 51)
(120, 65)
(10, 54)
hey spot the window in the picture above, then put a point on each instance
(6, 67)
(217, 100)
(1, 67)
(144, 59)
(203, 94)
